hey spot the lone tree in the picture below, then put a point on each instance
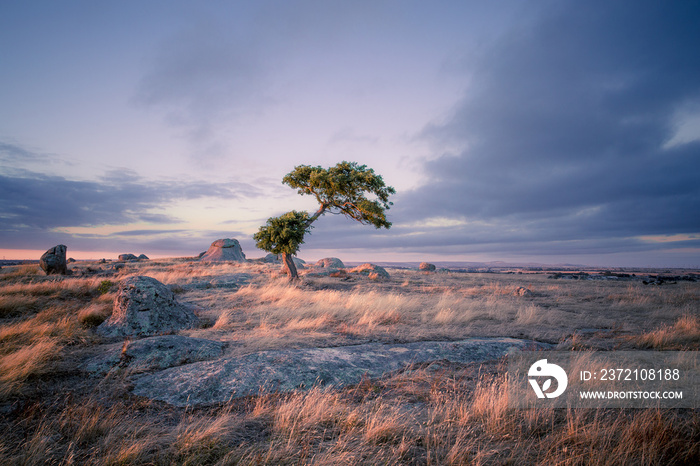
(338, 190)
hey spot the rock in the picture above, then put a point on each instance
(522, 291)
(331, 263)
(53, 261)
(102, 261)
(426, 267)
(231, 280)
(272, 259)
(143, 257)
(127, 257)
(373, 271)
(70, 260)
(317, 273)
(156, 353)
(209, 382)
(144, 307)
(224, 250)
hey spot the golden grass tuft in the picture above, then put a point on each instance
(18, 272)
(683, 334)
(15, 305)
(27, 361)
(282, 306)
(301, 412)
(94, 314)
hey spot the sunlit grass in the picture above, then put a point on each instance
(683, 334)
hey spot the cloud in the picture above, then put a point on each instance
(13, 154)
(44, 201)
(563, 133)
(179, 242)
(149, 232)
(38, 208)
(203, 78)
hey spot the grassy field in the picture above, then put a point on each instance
(438, 413)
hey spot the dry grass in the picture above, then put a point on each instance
(283, 305)
(683, 334)
(28, 346)
(19, 272)
(283, 313)
(29, 360)
(94, 314)
(452, 422)
(39, 318)
(360, 426)
(185, 273)
(437, 413)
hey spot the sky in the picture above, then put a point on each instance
(518, 131)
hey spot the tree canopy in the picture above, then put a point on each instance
(342, 189)
(283, 234)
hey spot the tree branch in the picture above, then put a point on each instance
(315, 216)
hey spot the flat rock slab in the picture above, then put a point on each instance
(155, 354)
(217, 381)
(231, 280)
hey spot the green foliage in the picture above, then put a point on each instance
(283, 234)
(342, 189)
(105, 286)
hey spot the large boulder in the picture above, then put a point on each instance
(272, 259)
(143, 257)
(144, 307)
(426, 267)
(53, 261)
(127, 257)
(373, 271)
(224, 250)
(330, 263)
(522, 291)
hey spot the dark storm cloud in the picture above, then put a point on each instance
(498, 241)
(34, 205)
(565, 129)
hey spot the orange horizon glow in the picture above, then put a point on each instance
(35, 254)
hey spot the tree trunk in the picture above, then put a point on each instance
(289, 266)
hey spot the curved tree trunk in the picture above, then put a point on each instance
(289, 266)
(321, 210)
